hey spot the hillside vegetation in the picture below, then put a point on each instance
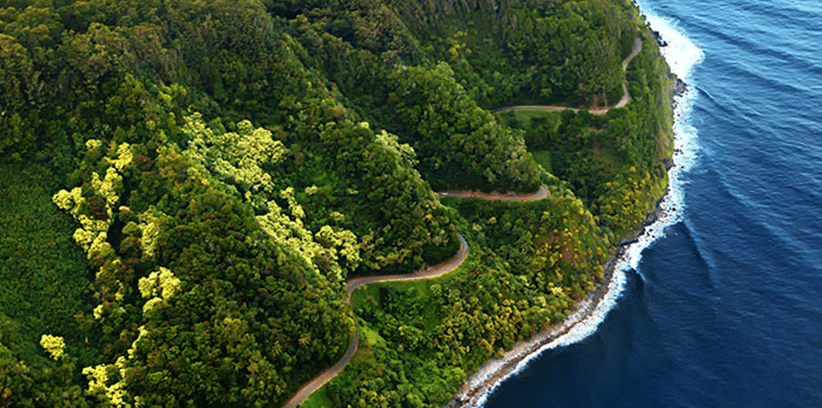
(188, 185)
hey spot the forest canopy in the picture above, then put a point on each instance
(188, 186)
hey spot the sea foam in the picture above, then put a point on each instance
(682, 55)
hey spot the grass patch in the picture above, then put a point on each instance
(543, 158)
(427, 317)
(319, 399)
(44, 272)
(526, 119)
(369, 336)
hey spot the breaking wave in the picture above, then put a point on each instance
(683, 56)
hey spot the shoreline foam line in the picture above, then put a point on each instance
(682, 56)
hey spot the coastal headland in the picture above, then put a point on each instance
(215, 203)
(489, 375)
(479, 384)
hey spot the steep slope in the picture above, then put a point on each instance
(228, 166)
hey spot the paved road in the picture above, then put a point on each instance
(422, 274)
(543, 192)
(455, 261)
(626, 97)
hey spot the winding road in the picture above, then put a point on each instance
(432, 272)
(543, 192)
(428, 273)
(626, 97)
(455, 261)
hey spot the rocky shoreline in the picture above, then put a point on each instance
(678, 90)
(492, 372)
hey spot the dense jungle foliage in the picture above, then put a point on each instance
(188, 185)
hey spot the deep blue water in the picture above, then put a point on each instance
(724, 309)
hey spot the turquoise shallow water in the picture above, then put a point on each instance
(724, 307)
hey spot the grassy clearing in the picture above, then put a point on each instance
(543, 158)
(43, 271)
(369, 336)
(319, 399)
(525, 119)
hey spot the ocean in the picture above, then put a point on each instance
(720, 305)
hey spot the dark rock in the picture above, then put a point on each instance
(678, 90)
(627, 241)
(657, 37)
(659, 40)
(668, 163)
